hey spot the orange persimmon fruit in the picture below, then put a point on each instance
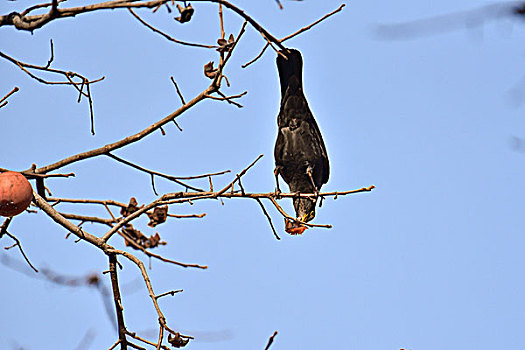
(16, 193)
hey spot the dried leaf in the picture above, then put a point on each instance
(158, 216)
(209, 71)
(225, 45)
(131, 208)
(177, 340)
(185, 13)
(140, 239)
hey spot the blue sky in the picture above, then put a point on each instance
(431, 259)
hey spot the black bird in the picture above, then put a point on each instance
(300, 153)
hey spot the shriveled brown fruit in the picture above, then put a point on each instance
(294, 228)
(16, 193)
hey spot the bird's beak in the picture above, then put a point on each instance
(307, 217)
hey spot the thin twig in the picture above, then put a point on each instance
(15, 89)
(92, 219)
(151, 172)
(36, 7)
(17, 243)
(114, 345)
(270, 341)
(147, 281)
(304, 29)
(90, 100)
(178, 92)
(157, 256)
(221, 20)
(52, 55)
(62, 221)
(256, 57)
(171, 292)
(181, 216)
(5, 225)
(26, 66)
(126, 141)
(167, 36)
(268, 217)
(283, 213)
(135, 336)
(228, 98)
(87, 201)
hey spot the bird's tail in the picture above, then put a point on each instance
(290, 67)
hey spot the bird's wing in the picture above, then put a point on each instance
(324, 154)
(278, 151)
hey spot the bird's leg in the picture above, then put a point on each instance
(309, 171)
(276, 173)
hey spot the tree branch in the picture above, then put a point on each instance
(118, 301)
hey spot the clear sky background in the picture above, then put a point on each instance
(431, 259)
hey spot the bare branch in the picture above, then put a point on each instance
(24, 22)
(228, 98)
(135, 336)
(167, 36)
(178, 92)
(68, 74)
(162, 319)
(171, 292)
(221, 20)
(5, 225)
(86, 201)
(270, 341)
(52, 55)
(249, 19)
(2, 103)
(268, 217)
(85, 218)
(118, 301)
(90, 100)
(62, 221)
(157, 256)
(151, 172)
(36, 7)
(284, 214)
(304, 29)
(179, 216)
(17, 243)
(128, 140)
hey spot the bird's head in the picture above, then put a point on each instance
(307, 217)
(304, 209)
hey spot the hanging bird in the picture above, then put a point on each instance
(300, 153)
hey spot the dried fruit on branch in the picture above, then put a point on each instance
(209, 71)
(131, 208)
(16, 193)
(294, 228)
(185, 13)
(157, 216)
(225, 45)
(177, 340)
(140, 239)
